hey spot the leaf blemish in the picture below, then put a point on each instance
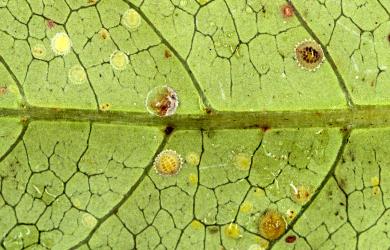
(167, 54)
(208, 110)
(287, 10)
(265, 128)
(291, 238)
(3, 90)
(50, 23)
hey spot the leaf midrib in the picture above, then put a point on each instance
(357, 117)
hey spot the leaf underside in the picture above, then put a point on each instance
(77, 144)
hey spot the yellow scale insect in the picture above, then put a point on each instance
(131, 19)
(272, 225)
(61, 44)
(119, 60)
(168, 163)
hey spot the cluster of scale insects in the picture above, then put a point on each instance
(163, 101)
(272, 224)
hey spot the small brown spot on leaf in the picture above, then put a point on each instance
(287, 10)
(208, 110)
(50, 23)
(291, 238)
(3, 90)
(167, 54)
(265, 128)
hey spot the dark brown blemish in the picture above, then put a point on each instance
(208, 110)
(167, 54)
(291, 238)
(265, 128)
(168, 130)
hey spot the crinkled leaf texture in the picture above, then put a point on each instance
(256, 132)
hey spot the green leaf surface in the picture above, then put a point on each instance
(259, 136)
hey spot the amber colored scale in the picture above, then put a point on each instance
(310, 55)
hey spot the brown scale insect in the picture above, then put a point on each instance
(287, 10)
(309, 55)
(162, 101)
(167, 54)
(291, 238)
